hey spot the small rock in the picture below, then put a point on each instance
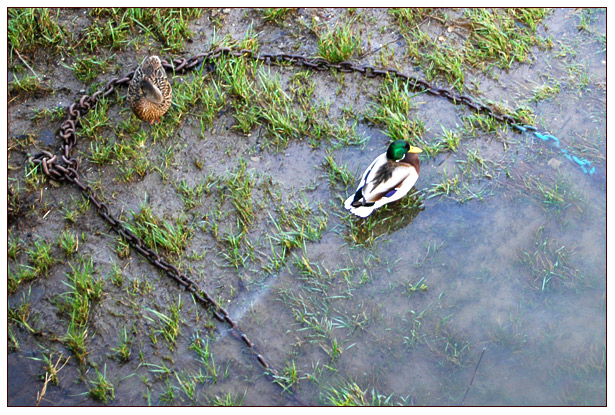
(255, 159)
(554, 163)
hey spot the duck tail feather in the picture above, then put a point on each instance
(362, 211)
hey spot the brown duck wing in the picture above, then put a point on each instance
(160, 80)
(373, 198)
(395, 176)
(134, 88)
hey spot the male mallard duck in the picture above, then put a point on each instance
(149, 91)
(390, 176)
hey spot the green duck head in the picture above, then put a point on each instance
(398, 149)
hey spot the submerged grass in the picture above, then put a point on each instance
(387, 219)
(338, 173)
(202, 348)
(553, 193)
(289, 377)
(237, 187)
(169, 326)
(549, 265)
(160, 234)
(21, 314)
(349, 393)
(83, 291)
(298, 224)
(102, 389)
(76, 303)
(123, 348)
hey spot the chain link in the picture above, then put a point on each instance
(65, 167)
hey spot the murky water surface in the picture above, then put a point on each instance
(396, 309)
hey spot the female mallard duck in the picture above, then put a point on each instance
(390, 176)
(149, 91)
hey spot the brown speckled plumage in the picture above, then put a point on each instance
(149, 91)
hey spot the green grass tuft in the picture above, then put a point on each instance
(160, 234)
(30, 28)
(339, 44)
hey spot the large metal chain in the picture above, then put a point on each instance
(58, 167)
(371, 72)
(65, 167)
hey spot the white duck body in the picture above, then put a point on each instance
(384, 181)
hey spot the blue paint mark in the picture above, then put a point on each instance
(583, 163)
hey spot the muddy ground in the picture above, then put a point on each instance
(344, 317)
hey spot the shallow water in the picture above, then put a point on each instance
(499, 266)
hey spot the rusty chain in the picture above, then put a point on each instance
(65, 167)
